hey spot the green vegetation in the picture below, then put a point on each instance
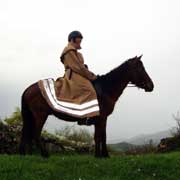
(15, 118)
(86, 167)
(131, 149)
(72, 157)
(67, 139)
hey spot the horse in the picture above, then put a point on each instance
(35, 110)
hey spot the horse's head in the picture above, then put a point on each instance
(138, 74)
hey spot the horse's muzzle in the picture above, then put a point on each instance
(149, 87)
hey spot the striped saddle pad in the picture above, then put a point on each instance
(48, 90)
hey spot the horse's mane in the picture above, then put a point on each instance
(107, 80)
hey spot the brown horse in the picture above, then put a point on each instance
(35, 109)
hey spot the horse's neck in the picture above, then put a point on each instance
(115, 82)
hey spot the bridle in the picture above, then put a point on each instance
(133, 85)
(130, 84)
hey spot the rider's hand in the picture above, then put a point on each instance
(86, 66)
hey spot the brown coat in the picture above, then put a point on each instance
(75, 85)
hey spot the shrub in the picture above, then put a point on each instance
(68, 139)
(171, 143)
(77, 135)
(142, 149)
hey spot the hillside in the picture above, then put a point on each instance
(145, 138)
(86, 167)
(142, 139)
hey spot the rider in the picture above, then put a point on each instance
(78, 88)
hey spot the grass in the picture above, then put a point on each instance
(87, 167)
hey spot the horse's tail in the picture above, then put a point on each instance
(27, 119)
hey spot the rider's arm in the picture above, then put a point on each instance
(71, 60)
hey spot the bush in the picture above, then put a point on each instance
(8, 139)
(142, 149)
(77, 135)
(68, 139)
(171, 143)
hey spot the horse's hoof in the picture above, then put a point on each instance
(102, 156)
(106, 156)
(98, 156)
(45, 155)
(22, 153)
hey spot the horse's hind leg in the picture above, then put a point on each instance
(26, 134)
(39, 120)
(22, 146)
(26, 138)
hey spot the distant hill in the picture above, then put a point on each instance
(145, 138)
(142, 139)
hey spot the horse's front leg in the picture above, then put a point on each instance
(97, 139)
(104, 145)
(100, 138)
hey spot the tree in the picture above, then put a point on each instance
(177, 119)
(15, 119)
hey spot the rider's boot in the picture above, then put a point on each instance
(86, 121)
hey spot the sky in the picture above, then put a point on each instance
(34, 33)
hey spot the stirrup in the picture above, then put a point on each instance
(90, 121)
(87, 120)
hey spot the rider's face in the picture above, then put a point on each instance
(77, 43)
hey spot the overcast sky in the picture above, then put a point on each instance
(33, 34)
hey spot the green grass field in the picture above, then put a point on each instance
(87, 167)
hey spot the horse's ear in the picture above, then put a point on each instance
(140, 56)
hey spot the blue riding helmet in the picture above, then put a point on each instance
(74, 34)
